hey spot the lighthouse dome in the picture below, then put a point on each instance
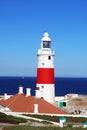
(46, 37)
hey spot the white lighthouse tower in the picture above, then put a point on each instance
(45, 71)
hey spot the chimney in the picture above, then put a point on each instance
(36, 108)
(28, 92)
(38, 93)
(20, 89)
(5, 96)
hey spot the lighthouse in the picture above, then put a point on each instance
(45, 85)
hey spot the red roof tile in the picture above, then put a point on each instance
(21, 103)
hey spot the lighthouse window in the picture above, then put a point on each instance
(42, 63)
(46, 44)
(49, 57)
(42, 86)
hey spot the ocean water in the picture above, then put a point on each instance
(63, 86)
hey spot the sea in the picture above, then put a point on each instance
(63, 86)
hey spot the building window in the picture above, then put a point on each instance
(49, 57)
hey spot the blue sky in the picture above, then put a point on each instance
(22, 24)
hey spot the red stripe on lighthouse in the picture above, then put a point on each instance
(45, 75)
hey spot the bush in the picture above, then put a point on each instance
(40, 128)
(11, 119)
(56, 118)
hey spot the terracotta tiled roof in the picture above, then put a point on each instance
(21, 103)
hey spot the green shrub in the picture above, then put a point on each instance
(56, 118)
(41, 128)
(11, 119)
